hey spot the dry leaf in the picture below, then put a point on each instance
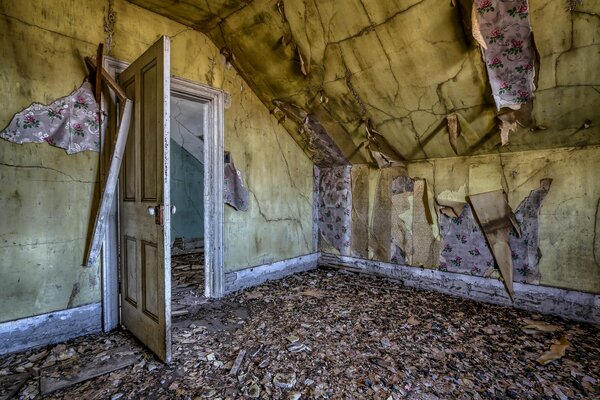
(536, 327)
(557, 350)
(413, 321)
(312, 293)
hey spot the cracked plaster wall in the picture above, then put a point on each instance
(405, 65)
(47, 197)
(569, 228)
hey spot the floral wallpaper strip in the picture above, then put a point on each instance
(72, 123)
(510, 53)
(465, 249)
(525, 250)
(235, 192)
(335, 207)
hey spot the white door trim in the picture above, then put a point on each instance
(213, 200)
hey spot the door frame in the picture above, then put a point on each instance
(213, 200)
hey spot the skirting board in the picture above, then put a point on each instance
(249, 277)
(570, 304)
(50, 328)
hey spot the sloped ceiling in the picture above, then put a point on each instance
(399, 67)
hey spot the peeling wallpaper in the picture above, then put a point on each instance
(47, 198)
(553, 193)
(404, 66)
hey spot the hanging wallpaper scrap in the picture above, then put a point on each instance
(325, 152)
(496, 219)
(525, 249)
(235, 192)
(335, 208)
(72, 123)
(510, 53)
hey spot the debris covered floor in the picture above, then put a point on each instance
(330, 334)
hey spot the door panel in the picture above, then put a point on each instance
(145, 238)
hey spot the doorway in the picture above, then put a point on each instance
(188, 119)
(212, 102)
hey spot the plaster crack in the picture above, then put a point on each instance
(47, 168)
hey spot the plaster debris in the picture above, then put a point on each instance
(369, 338)
(235, 191)
(72, 123)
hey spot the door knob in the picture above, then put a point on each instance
(151, 211)
(173, 209)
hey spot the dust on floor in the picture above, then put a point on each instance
(329, 334)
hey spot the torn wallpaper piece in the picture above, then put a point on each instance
(324, 151)
(497, 219)
(235, 192)
(525, 249)
(335, 208)
(72, 123)
(508, 123)
(402, 214)
(465, 248)
(510, 53)
(454, 131)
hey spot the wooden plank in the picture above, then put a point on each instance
(238, 362)
(110, 81)
(98, 86)
(62, 376)
(111, 185)
(11, 384)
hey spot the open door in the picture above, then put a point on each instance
(145, 203)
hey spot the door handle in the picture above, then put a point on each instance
(157, 212)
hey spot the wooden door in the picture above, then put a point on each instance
(145, 204)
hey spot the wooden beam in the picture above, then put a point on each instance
(111, 185)
(110, 81)
(98, 86)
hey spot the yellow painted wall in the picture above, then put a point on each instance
(47, 197)
(569, 223)
(569, 217)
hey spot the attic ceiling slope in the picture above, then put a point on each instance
(385, 74)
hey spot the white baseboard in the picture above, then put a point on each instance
(51, 328)
(570, 304)
(249, 277)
